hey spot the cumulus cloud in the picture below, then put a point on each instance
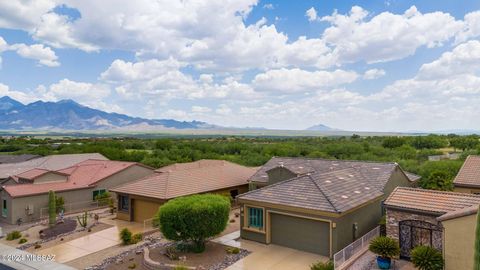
(311, 14)
(44, 55)
(297, 80)
(374, 73)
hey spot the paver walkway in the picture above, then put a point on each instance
(91, 243)
(268, 257)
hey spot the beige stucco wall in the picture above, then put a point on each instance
(459, 237)
(74, 199)
(466, 190)
(49, 178)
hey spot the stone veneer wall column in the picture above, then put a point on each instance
(394, 216)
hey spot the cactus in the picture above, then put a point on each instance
(476, 263)
(82, 219)
(52, 209)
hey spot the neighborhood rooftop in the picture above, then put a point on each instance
(302, 166)
(16, 158)
(469, 174)
(51, 163)
(430, 201)
(82, 175)
(324, 185)
(189, 178)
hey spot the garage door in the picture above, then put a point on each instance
(300, 233)
(143, 210)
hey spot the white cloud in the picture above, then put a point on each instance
(268, 6)
(374, 73)
(24, 15)
(44, 55)
(89, 94)
(297, 80)
(386, 36)
(471, 28)
(200, 109)
(17, 95)
(311, 14)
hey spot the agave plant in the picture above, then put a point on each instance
(427, 258)
(384, 247)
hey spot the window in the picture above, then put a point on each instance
(234, 193)
(98, 192)
(123, 202)
(255, 218)
(4, 208)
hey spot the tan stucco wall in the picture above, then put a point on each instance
(459, 237)
(466, 190)
(49, 178)
(79, 198)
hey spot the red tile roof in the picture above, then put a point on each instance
(469, 174)
(82, 175)
(430, 201)
(189, 178)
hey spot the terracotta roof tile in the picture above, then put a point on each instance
(52, 163)
(189, 178)
(472, 210)
(469, 174)
(82, 175)
(431, 201)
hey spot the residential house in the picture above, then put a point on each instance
(317, 205)
(440, 219)
(140, 200)
(16, 158)
(25, 196)
(51, 163)
(468, 178)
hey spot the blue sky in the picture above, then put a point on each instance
(356, 65)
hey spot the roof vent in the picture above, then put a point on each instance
(328, 181)
(300, 167)
(356, 191)
(280, 163)
(350, 175)
(367, 188)
(341, 178)
(345, 197)
(375, 168)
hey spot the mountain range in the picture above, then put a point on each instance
(322, 127)
(69, 115)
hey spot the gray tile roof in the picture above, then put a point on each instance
(324, 185)
(16, 158)
(301, 166)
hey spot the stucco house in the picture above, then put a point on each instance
(440, 219)
(140, 200)
(468, 178)
(317, 205)
(25, 196)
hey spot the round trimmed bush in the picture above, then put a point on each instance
(385, 247)
(194, 218)
(426, 258)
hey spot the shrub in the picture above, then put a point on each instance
(13, 235)
(322, 266)
(171, 253)
(37, 246)
(126, 236)
(23, 241)
(137, 238)
(52, 209)
(180, 267)
(103, 198)
(427, 258)
(232, 250)
(194, 218)
(132, 266)
(384, 247)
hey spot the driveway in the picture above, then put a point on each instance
(91, 243)
(268, 256)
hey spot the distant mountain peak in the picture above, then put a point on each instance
(322, 127)
(67, 114)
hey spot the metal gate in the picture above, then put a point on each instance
(414, 233)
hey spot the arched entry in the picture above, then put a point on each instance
(414, 233)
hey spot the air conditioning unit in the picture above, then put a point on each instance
(29, 209)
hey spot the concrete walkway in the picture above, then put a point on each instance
(91, 243)
(12, 258)
(268, 257)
